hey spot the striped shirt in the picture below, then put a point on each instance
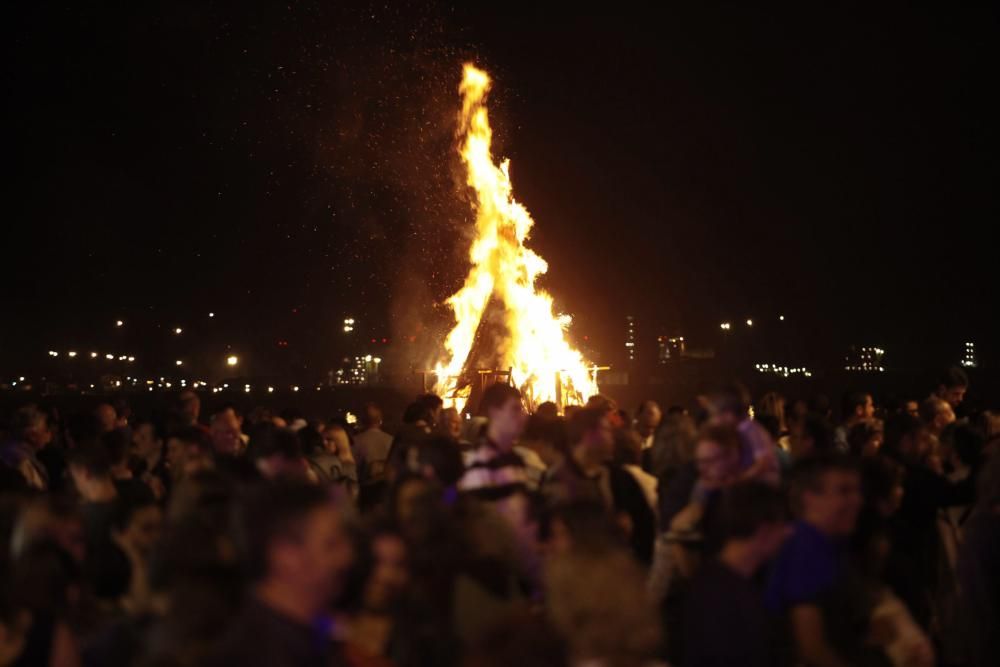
(492, 474)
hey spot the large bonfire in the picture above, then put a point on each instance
(503, 322)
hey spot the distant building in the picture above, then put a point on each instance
(669, 348)
(969, 359)
(865, 359)
(360, 370)
(630, 348)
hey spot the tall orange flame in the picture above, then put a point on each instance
(545, 367)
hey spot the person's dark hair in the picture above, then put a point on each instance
(770, 424)
(582, 422)
(726, 437)
(820, 405)
(879, 476)
(853, 401)
(749, 505)
(116, 444)
(24, 419)
(859, 435)
(816, 428)
(157, 427)
(953, 377)
(371, 415)
(273, 512)
(91, 457)
(929, 408)
(628, 447)
(808, 474)
(897, 428)
(550, 430)
(310, 440)
(645, 407)
(496, 396)
(441, 455)
(733, 398)
(547, 410)
(282, 442)
(967, 442)
(415, 412)
(430, 401)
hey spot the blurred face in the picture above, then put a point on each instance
(39, 435)
(953, 395)
(868, 409)
(226, 434)
(145, 441)
(834, 508)
(507, 421)
(144, 528)
(716, 465)
(912, 408)
(314, 564)
(649, 419)
(944, 416)
(107, 418)
(391, 574)
(408, 500)
(190, 407)
(800, 443)
(601, 441)
(335, 440)
(451, 423)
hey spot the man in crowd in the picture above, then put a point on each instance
(937, 414)
(858, 408)
(952, 387)
(492, 469)
(296, 551)
(725, 620)
(647, 420)
(30, 435)
(371, 446)
(810, 585)
(586, 474)
(758, 456)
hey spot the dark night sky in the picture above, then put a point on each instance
(688, 166)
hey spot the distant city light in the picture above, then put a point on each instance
(348, 324)
(131, 359)
(295, 388)
(109, 357)
(781, 318)
(270, 390)
(179, 362)
(93, 355)
(53, 353)
(725, 326)
(749, 323)
(178, 331)
(71, 353)
(211, 314)
(232, 360)
(122, 358)
(119, 323)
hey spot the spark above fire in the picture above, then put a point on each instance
(502, 320)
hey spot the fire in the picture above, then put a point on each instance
(532, 339)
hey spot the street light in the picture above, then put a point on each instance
(232, 360)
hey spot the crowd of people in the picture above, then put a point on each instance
(726, 532)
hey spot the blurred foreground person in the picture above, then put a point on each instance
(296, 553)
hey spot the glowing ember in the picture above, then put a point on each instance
(520, 331)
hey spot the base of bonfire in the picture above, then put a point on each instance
(468, 388)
